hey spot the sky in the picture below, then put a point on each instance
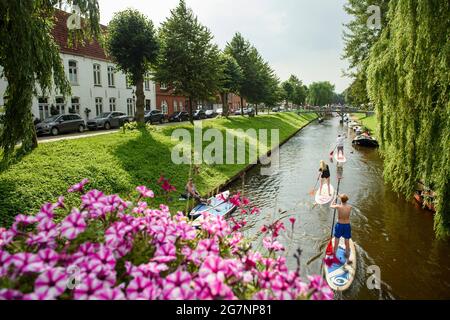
(301, 37)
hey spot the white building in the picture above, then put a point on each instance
(96, 84)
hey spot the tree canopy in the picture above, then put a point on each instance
(188, 60)
(321, 93)
(294, 90)
(31, 61)
(230, 80)
(132, 44)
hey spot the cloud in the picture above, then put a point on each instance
(303, 37)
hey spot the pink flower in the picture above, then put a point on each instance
(177, 286)
(88, 289)
(48, 257)
(51, 283)
(142, 289)
(46, 212)
(9, 294)
(165, 253)
(23, 221)
(73, 225)
(27, 263)
(110, 294)
(255, 211)
(292, 220)
(6, 237)
(78, 187)
(320, 289)
(144, 192)
(272, 245)
(105, 256)
(5, 259)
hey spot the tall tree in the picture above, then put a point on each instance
(133, 46)
(409, 84)
(230, 80)
(188, 59)
(246, 57)
(31, 61)
(321, 93)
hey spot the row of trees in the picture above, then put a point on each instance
(403, 71)
(182, 54)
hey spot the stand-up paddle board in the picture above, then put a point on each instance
(338, 274)
(324, 197)
(340, 158)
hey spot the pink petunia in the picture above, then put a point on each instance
(142, 289)
(51, 283)
(88, 289)
(165, 253)
(73, 225)
(5, 260)
(272, 245)
(78, 187)
(145, 192)
(48, 257)
(9, 294)
(6, 237)
(177, 286)
(110, 294)
(25, 262)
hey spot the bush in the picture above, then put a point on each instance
(111, 249)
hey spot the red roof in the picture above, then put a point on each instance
(60, 32)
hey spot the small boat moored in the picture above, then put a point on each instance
(366, 141)
(218, 205)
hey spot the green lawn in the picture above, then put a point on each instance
(369, 122)
(117, 163)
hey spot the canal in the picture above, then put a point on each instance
(390, 232)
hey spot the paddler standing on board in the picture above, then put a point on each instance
(343, 228)
(340, 146)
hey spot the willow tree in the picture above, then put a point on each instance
(31, 63)
(409, 83)
(133, 46)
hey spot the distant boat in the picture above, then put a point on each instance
(366, 141)
(219, 205)
(425, 197)
(320, 120)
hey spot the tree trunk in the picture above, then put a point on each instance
(242, 106)
(34, 139)
(191, 111)
(140, 100)
(225, 108)
(256, 109)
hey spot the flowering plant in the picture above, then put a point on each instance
(112, 249)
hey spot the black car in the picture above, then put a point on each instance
(108, 121)
(61, 124)
(179, 117)
(200, 115)
(250, 112)
(154, 116)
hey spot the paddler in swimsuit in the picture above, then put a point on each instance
(324, 176)
(191, 191)
(343, 228)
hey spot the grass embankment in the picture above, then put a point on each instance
(117, 163)
(370, 122)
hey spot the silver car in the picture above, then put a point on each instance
(65, 123)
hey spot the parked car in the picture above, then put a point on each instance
(154, 116)
(108, 120)
(61, 124)
(250, 112)
(199, 115)
(219, 112)
(179, 117)
(276, 109)
(210, 114)
(238, 112)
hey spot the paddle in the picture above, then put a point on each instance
(332, 152)
(313, 191)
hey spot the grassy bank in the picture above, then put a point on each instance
(117, 163)
(368, 122)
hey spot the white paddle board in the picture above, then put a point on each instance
(340, 158)
(324, 197)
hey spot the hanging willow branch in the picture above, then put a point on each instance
(31, 63)
(409, 83)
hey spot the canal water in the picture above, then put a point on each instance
(391, 233)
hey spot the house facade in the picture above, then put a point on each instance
(167, 102)
(97, 85)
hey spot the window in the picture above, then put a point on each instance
(130, 107)
(111, 80)
(112, 104)
(75, 105)
(163, 86)
(60, 105)
(147, 83)
(98, 106)
(164, 107)
(97, 75)
(43, 108)
(148, 105)
(175, 106)
(73, 72)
